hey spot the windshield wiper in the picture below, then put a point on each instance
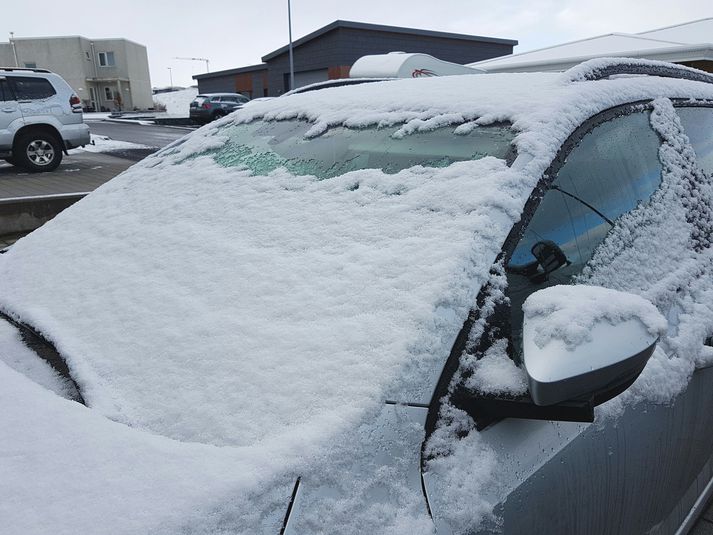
(585, 203)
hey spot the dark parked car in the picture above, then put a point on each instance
(212, 106)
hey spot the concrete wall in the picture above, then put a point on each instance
(75, 61)
(64, 55)
(218, 84)
(251, 83)
(138, 74)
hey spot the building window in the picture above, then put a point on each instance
(106, 59)
(108, 94)
(30, 65)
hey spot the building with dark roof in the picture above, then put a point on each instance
(329, 52)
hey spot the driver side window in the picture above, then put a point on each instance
(613, 169)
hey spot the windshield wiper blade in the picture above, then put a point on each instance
(585, 203)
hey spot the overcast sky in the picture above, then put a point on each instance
(235, 33)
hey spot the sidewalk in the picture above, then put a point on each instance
(79, 173)
(28, 200)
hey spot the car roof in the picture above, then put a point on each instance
(21, 71)
(527, 100)
(220, 95)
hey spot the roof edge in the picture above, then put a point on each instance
(559, 62)
(384, 28)
(674, 25)
(41, 37)
(226, 72)
(618, 34)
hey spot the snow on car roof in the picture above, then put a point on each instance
(544, 107)
(270, 314)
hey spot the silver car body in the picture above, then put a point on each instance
(54, 112)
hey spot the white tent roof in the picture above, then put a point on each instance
(683, 42)
(697, 31)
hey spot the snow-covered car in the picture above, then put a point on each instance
(466, 304)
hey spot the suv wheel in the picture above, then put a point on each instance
(218, 114)
(37, 152)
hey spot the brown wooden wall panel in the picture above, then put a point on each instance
(340, 71)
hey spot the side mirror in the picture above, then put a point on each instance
(586, 342)
(550, 258)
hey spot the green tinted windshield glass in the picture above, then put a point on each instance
(262, 147)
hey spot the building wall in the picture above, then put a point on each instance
(217, 84)
(76, 60)
(703, 65)
(63, 55)
(343, 46)
(6, 57)
(252, 83)
(138, 74)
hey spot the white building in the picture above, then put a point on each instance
(105, 73)
(690, 44)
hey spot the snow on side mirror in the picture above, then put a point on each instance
(586, 342)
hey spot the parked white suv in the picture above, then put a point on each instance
(40, 118)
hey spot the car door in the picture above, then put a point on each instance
(10, 114)
(623, 220)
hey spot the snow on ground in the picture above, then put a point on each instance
(106, 144)
(95, 115)
(177, 102)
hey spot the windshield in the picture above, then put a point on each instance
(263, 147)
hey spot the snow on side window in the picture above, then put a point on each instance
(629, 257)
(603, 178)
(662, 251)
(698, 125)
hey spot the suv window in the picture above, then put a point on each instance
(698, 124)
(5, 92)
(27, 88)
(612, 170)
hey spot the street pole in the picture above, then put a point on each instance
(170, 76)
(14, 50)
(292, 63)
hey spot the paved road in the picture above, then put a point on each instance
(153, 136)
(80, 172)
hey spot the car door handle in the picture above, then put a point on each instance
(9, 110)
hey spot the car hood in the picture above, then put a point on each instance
(271, 313)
